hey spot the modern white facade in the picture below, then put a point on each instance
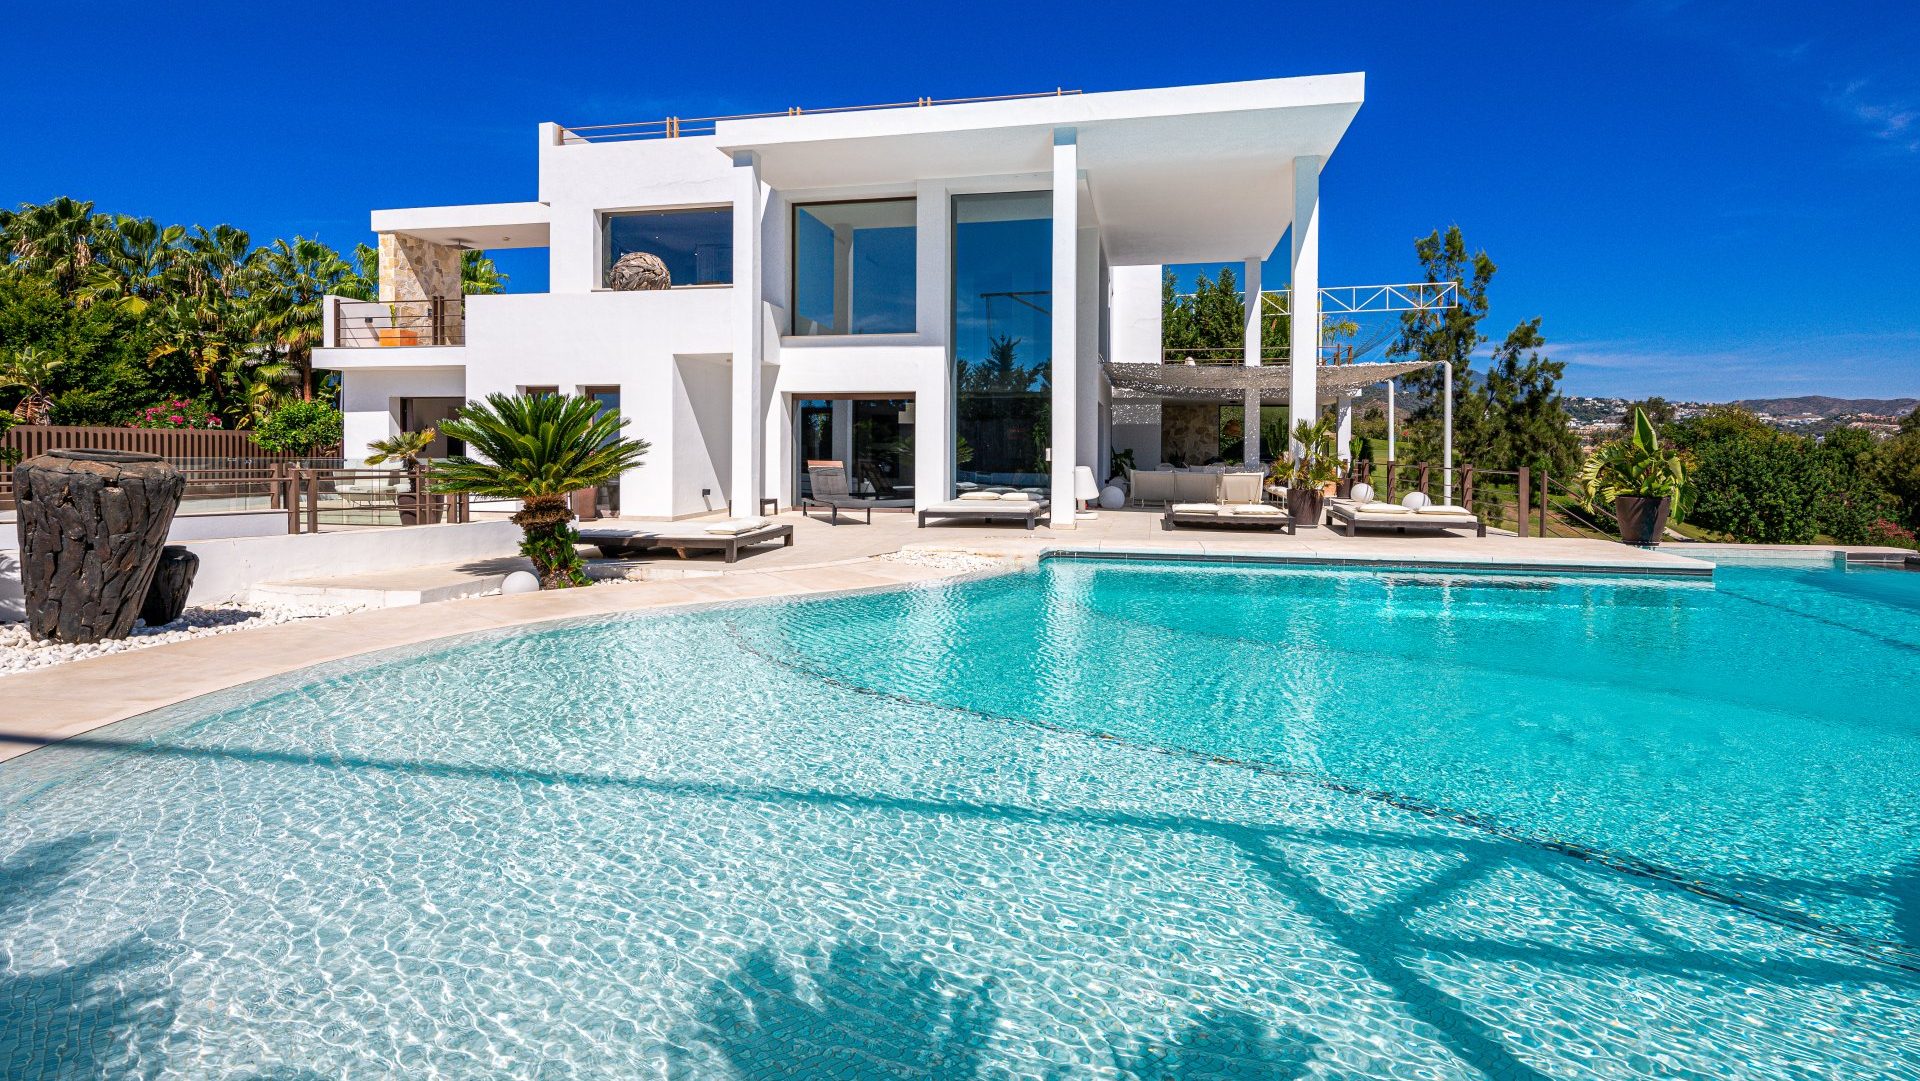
(888, 278)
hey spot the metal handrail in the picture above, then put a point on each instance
(674, 127)
(372, 324)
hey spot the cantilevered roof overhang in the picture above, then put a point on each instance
(1178, 175)
(484, 225)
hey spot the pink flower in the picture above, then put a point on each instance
(213, 422)
(175, 419)
(152, 409)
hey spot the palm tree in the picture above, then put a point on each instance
(538, 449)
(31, 370)
(407, 447)
(293, 279)
(54, 239)
(134, 261)
(478, 275)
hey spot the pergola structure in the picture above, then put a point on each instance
(1258, 380)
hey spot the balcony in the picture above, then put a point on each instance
(390, 324)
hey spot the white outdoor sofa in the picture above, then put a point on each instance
(982, 506)
(1354, 515)
(1169, 486)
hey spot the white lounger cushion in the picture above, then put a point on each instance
(1017, 497)
(1443, 508)
(1196, 508)
(980, 496)
(1251, 510)
(733, 527)
(1382, 508)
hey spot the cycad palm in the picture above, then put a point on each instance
(537, 449)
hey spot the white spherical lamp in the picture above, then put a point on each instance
(1112, 497)
(1415, 500)
(520, 582)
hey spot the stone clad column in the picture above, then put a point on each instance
(1304, 347)
(1066, 323)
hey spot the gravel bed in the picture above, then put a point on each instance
(20, 653)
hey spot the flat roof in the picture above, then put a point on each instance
(1180, 174)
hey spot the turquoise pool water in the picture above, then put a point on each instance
(1094, 820)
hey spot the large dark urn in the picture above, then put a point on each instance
(172, 581)
(1642, 518)
(92, 525)
(1306, 505)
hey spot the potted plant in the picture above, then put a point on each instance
(407, 449)
(1643, 481)
(537, 449)
(1312, 471)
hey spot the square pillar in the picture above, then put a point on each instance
(1345, 412)
(1065, 378)
(749, 340)
(1250, 422)
(1304, 344)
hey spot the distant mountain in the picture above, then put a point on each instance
(1822, 406)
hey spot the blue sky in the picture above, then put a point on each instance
(1702, 199)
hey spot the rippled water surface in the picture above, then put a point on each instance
(1095, 820)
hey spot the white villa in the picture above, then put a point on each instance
(936, 294)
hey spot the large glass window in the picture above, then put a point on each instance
(871, 437)
(696, 245)
(853, 268)
(1002, 337)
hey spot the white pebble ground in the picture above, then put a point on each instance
(20, 653)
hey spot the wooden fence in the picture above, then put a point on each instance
(197, 447)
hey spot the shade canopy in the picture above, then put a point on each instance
(1230, 382)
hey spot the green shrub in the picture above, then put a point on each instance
(300, 427)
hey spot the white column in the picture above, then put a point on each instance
(1345, 414)
(1304, 346)
(749, 436)
(1392, 422)
(1250, 425)
(933, 463)
(1066, 323)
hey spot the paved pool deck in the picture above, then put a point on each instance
(49, 704)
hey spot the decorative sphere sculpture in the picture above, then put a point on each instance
(1112, 498)
(1362, 492)
(520, 582)
(638, 270)
(1416, 500)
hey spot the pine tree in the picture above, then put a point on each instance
(1448, 335)
(1526, 418)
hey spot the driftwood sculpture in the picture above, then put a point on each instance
(92, 525)
(638, 270)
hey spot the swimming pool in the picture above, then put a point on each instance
(1095, 819)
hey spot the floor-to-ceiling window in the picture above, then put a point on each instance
(853, 267)
(1002, 337)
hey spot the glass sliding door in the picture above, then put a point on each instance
(606, 498)
(853, 267)
(872, 438)
(1002, 338)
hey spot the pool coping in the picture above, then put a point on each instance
(62, 701)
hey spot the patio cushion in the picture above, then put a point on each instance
(1251, 510)
(980, 496)
(1442, 508)
(1383, 508)
(1196, 508)
(1017, 497)
(733, 527)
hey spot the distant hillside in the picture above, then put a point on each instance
(1823, 406)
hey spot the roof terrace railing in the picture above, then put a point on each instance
(675, 127)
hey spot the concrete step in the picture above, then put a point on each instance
(393, 589)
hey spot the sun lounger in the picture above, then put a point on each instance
(829, 489)
(987, 507)
(1353, 515)
(1227, 516)
(727, 536)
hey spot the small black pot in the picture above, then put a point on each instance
(1305, 505)
(1642, 518)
